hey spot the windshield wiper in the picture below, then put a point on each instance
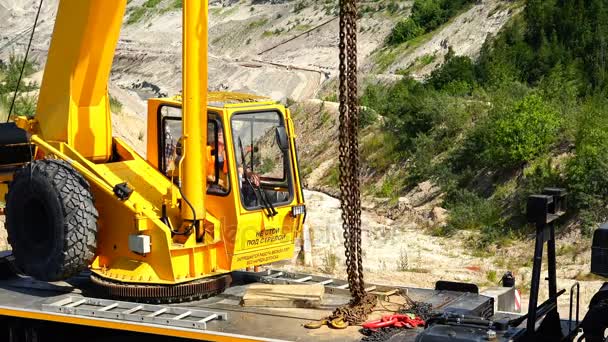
(259, 193)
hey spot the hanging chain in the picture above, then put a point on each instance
(362, 304)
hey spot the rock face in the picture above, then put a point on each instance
(464, 34)
(439, 216)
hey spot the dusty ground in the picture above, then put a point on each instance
(402, 253)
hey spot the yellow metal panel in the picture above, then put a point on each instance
(73, 105)
(255, 238)
(3, 192)
(194, 115)
(125, 326)
(152, 143)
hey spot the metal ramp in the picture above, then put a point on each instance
(135, 312)
(333, 286)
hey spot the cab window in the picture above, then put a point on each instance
(216, 165)
(263, 166)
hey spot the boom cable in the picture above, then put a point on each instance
(27, 51)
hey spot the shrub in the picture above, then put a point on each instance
(403, 263)
(24, 105)
(299, 6)
(11, 72)
(404, 30)
(471, 212)
(428, 13)
(367, 116)
(514, 135)
(458, 72)
(408, 109)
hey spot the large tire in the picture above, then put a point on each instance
(51, 220)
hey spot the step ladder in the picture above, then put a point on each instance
(135, 312)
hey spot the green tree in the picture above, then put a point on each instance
(457, 70)
(586, 171)
(514, 135)
(404, 30)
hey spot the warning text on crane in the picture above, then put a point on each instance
(267, 236)
(263, 257)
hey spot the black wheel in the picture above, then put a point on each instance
(51, 220)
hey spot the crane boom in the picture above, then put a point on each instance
(194, 104)
(74, 102)
(73, 106)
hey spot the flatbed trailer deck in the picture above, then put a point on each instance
(23, 298)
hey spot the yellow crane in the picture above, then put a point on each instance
(219, 189)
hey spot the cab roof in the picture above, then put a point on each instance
(223, 99)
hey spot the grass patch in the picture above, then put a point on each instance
(151, 3)
(115, 105)
(391, 187)
(419, 270)
(332, 178)
(403, 263)
(258, 23)
(492, 277)
(418, 64)
(379, 150)
(330, 262)
(586, 276)
(177, 4)
(136, 15)
(386, 57)
(303, 27)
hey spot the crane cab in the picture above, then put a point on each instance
(253, 188)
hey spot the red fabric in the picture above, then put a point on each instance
(397, 321)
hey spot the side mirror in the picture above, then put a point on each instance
(282, 140)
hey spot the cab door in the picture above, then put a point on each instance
(264, 187)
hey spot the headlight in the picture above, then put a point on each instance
(298, 210)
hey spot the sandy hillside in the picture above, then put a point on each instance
(464, 34)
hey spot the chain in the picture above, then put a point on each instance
(349, 150)
(344, 147)
(362, 304)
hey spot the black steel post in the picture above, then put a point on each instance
(551, 261)
(535, 285)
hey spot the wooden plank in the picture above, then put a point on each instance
(283, 296)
